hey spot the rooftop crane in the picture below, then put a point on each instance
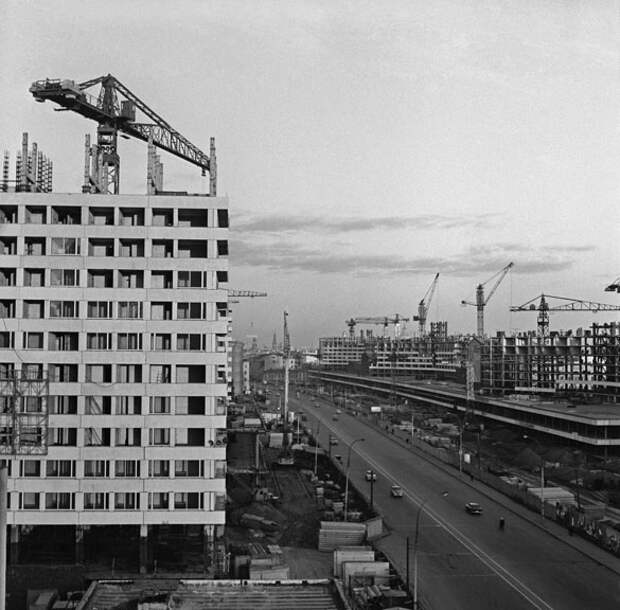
(249, 294)
(385, 321)
(481, 301)
(114, 117)
(614, 286)
(543, 309)
(425, 305)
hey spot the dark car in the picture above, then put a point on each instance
(473, 508)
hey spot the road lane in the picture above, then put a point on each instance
(465, 561)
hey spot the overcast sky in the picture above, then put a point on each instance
(364, 146)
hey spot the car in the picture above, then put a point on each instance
(335, 417)
(396, 491)
(338, 412)
(473, 508)
(333, 441)
(371, 475)
(338, 457)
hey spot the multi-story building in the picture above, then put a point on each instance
(119, 303)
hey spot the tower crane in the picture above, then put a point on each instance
(385, 321)
(248, 294)
(481, 301)
(425, 305)
(614, 286)
(114, 109)
(543, 308)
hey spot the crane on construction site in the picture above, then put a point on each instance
(114, 109)
(385, 321)
(543, 308)
(481, 301)
(233, 295)
(285, 458)
(614, 286)
(425, 305)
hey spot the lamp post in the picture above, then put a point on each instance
(316, 447)
(372, 490)
(542, 477)
(346, 484)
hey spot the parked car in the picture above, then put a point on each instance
(335, 417)
(371, 475)
(396, 491)
(473, 508)
(333, 441)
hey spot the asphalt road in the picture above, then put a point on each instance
(464, 560)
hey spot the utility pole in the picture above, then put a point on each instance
(3, 514)
(372, 489)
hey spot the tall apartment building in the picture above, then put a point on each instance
(119, 303)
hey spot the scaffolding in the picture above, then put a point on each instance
(33, 170)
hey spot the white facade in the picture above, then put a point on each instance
(93, 293)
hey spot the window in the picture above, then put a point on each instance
(64, 309)
(222, 247)
(127, 468)
(34, 278)
(159, 436)
(99, 341)
(222, 218)
(187, 500)
(58, 500)
(220, 469)
(8, 214)
(130, 310)
(99, 309)
(64, 277)
(127, 437)
(190, 311)
(35, 214)
(190, 342)
(8, 275)
(7, 308)
(222, 277)
(65, 245)
(160, 342)
(191, 279)
(31, 468)
(221, 376)
(96, 501)
(161, 310)
(222, 309)
(32, 370)
(130, 279)
(126, 501)
(63, 373)
(162, 217)
(97, 437)
(158, 500)
(220, 406)
(161, 373)
(33, 340)
(98, 373)
(192, 218)
(190, 437)
(33, 310)
(190, 373)
(129, 373)
(98, 405)
(100, 278)
(60, 468)
(159, 468)
(63, 405)
(100, 216)
(66, 215)
(162, 248)
(96, 468)
(128, 405)
(34, 246)
(63, 342)
(131, 217)
(192, 248)
(8, 245)
(189, 405)
(7, 370)
(220, 342)
(7, 340)
(100, 247)
(161, 279)
(159, 404)
(32, 404)
(131, 247)
(129, 341)
(187, 468)
(30, 500)
(62, 437)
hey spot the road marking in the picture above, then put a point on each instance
(509, 578)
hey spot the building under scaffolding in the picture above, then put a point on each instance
(583, 363)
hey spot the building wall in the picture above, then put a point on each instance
(134, 341)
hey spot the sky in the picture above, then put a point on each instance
(363, 146)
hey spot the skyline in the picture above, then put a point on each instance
(363, 149)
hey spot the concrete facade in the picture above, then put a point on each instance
(94, 295)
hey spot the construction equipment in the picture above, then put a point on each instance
(233, 295)
(114, 117)
(285, 458)
(385, 321)
(543, 309)
(424, 306)
(614, 286)
(481, 301)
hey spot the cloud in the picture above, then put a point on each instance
(281, 223)
(488, 259)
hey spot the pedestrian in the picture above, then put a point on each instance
(502, 523)
(471, 477)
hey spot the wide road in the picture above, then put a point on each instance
(464, 561)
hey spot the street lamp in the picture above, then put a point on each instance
(542, 476)
(316, 446)
(372, 489)
(346, 484)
